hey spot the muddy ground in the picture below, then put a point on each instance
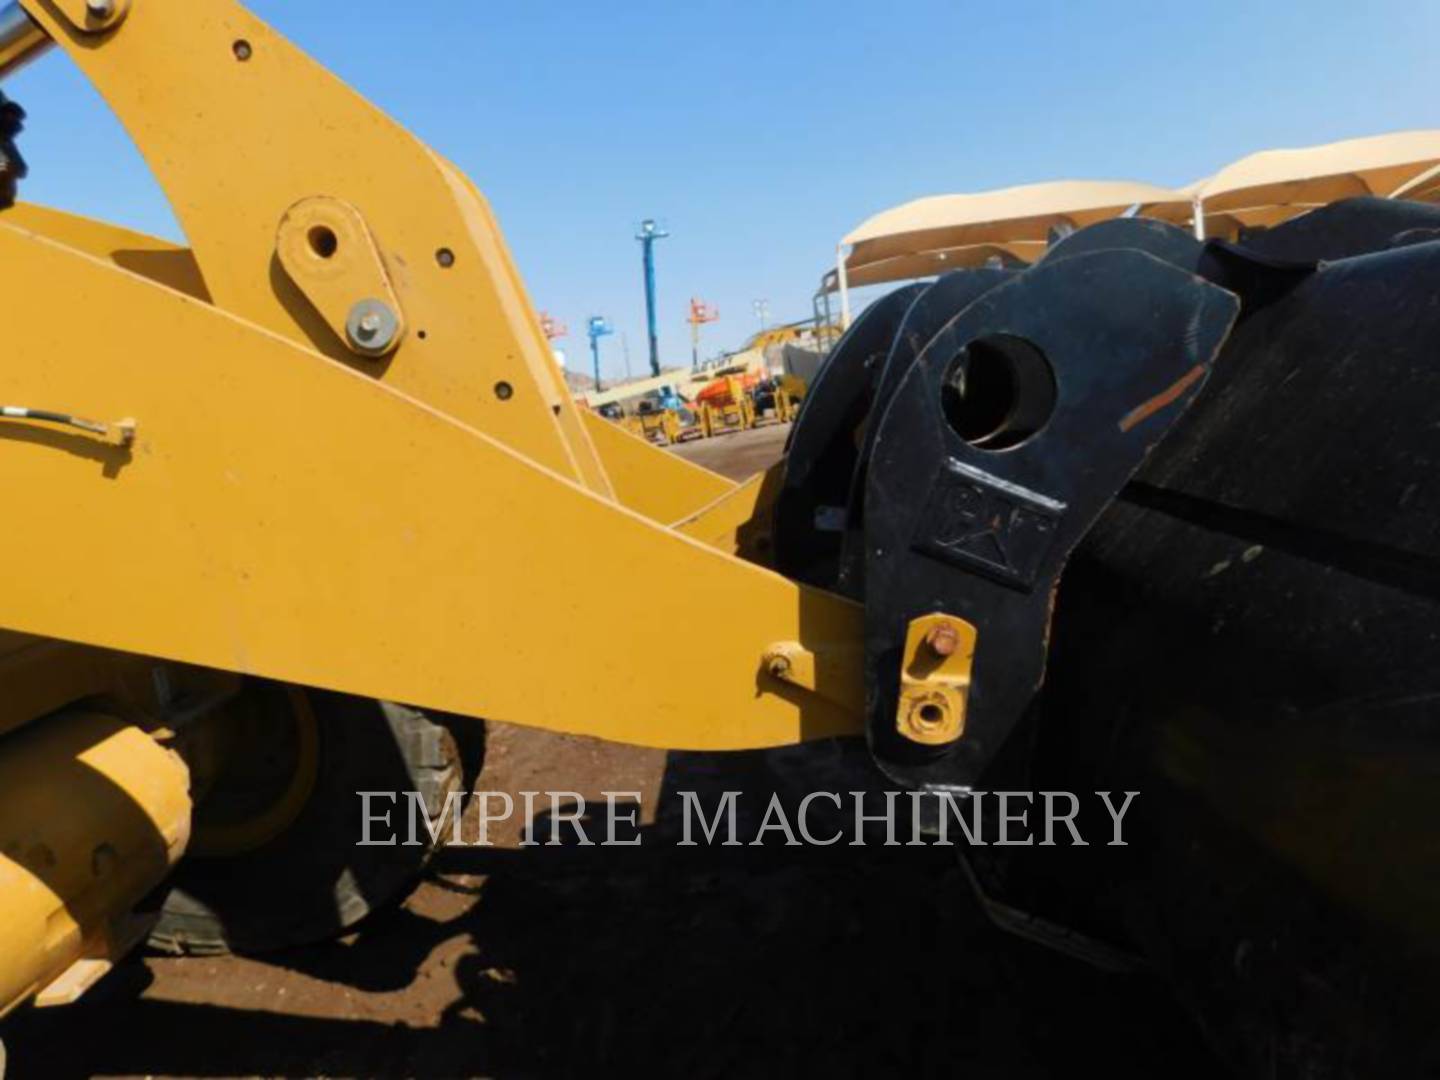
(654, 960)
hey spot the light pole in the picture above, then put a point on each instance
(762, 312)
(648, 234)
(597, 327)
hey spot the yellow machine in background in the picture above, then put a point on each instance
(726, 404)
(732, 410)
(789, 393)
(661, 426)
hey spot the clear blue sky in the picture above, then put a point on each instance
(761, 132)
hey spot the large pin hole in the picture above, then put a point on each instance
(998, 392)
(323, 241)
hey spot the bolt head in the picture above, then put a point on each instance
(100, 9)
(372, 327)
(943, 639)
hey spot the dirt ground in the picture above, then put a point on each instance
(739, 454)
(654, 960)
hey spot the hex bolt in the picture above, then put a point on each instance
(943, 639)
(372, 327)
(779, 666)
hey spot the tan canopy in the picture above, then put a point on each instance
(1025, 213)
(926, 263)
(1274, 185)
(946, 232)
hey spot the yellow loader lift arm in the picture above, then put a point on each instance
(350, 461)
(327, 445)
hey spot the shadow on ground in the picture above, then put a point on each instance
(659, 960)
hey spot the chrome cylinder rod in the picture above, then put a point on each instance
(21, 39)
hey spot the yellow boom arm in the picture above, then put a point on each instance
(353, 463)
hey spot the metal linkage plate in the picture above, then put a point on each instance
(1250, 635)
(1166, 242)
(823, 446)
(1008, 436)
(1342, 230)
(1319, 434)
(932, 309)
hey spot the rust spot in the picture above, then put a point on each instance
(1160, 400)
(943, 639)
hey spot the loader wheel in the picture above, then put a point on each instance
(275, 861)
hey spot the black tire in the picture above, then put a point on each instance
(312, 882)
